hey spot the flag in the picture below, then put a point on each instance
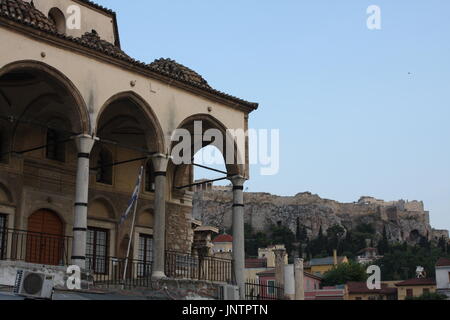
(134, 197)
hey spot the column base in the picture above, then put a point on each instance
(158, 275)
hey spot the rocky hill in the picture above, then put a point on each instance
(403, 220)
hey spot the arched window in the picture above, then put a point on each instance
(58, 19)
(149, 177)
(104, 167)
(56, 149)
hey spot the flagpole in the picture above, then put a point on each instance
(132, 229)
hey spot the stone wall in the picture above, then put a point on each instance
(179, 235)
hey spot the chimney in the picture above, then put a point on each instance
(335, 257)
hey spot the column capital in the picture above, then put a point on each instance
(237, 181)
(299, 263)
(85, 143)
(160, 161)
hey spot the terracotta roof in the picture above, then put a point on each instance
(25, 14)
(417, 282)
(92, 40)
(443, 262)
(361, 287)
(223, 238)
(255, 263)
(176, 70)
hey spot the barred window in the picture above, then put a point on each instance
(97, 250)
(145, 255)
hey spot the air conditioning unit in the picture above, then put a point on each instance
(34, 285)
(229, 292)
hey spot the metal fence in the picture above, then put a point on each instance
(34, 247)
(258, 290)
(110, 272)
(186, 266)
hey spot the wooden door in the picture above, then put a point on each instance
(45, 240)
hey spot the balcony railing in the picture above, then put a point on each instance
(110, 271)
(257, 290)
(186, 266)
(34, 247)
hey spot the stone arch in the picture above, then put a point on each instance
(101, 208)
(54, 75)
(157, 143)
(57, 16)
(178, 174)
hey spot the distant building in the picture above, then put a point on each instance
(269, 255)
(311, 284)
(320, 266)
(223, 246)
(368, 255)
(443, 276)
(360, 291)
(415, 288)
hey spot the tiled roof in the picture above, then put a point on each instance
(361, 287)
(92, 40)
(255, 263)
(417, 282)
(223, 238)
(25, 14)
(176, 70)
(443, 262)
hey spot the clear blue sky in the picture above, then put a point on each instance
(353, 120)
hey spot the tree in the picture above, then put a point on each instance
(334, 235)
(429, 296)
(345, 272)
(383, 244)
(282, 235)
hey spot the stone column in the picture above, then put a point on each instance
(238, 233)
(280, 255)
(160, 163)
(299, 278)
(84, 144)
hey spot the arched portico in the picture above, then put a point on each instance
(202, 130)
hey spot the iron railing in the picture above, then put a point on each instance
(34, 247)
(258, 290)
(110, 271)
(186, 266)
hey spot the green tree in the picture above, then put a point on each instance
(282, 235)
(429, 296)
(383, 244)
(345, 272)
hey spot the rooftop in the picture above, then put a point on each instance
(361, 288)
(443, 262)
(324, 261)
(24, 13)
(223, 238)
(417, 282)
